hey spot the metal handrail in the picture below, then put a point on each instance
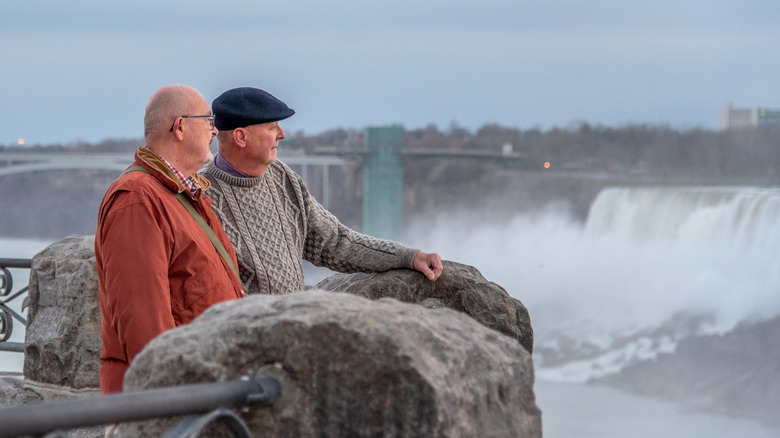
(193, 426)
(40, 418)
(7, 315)
(16, 263)
(13, 347)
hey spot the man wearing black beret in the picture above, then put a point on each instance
(268, 213)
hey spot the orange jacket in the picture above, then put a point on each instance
(157, 269)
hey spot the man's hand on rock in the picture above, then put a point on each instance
(429, 264)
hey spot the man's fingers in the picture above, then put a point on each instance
(428, 264)
(429, 273)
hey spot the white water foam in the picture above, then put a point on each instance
(644, 255)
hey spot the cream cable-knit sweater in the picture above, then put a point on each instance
(274, 223)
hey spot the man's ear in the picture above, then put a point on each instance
(239, 137)
(178, 129)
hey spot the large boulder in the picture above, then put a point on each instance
(63, 339)
(460, 287)
(349, 366)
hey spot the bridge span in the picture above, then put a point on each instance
(16, 163)
(19, 163)
(381, 157)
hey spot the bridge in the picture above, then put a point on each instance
(16, 163)
(382, 158)
(20, 163)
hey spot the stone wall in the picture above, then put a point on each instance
(346, 363)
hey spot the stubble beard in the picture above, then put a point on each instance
(209, 157)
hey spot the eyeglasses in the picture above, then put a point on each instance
(209, 116)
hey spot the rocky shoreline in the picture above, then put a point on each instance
(735, 373)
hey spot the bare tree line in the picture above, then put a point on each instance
(744, 155)
(750, 155)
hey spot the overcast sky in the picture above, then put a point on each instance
(84, 70)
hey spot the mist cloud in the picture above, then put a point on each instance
(590, 282)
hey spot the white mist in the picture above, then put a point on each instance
(643, 255)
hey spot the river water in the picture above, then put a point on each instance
(587, 411)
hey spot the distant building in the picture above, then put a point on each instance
(731, 117)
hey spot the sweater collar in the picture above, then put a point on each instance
(226, 167)
(250, 181)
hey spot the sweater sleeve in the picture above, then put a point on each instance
(331, 244)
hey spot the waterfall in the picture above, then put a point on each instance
(715, 249)
(737, 219)
(644, 255)
(650, 266)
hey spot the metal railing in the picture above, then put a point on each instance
(8, 315)
(211, 401)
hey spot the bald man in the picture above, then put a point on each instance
(157, 267)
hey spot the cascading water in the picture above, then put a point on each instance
(650, 266)
(723, 244)
(739, 218)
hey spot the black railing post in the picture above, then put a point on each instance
(193, 426)
(40, 418)
(7, 315)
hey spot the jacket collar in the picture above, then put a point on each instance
(152, 162)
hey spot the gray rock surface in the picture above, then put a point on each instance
(12, 391)
(350, 367)
(63, 340)
(460, 287)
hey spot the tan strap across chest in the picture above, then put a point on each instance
(203, 225)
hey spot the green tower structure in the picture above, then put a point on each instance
(383, 182)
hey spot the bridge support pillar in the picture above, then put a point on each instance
(383, 185)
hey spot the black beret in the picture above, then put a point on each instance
(241, 107)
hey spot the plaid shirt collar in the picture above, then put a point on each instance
(188, 182)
